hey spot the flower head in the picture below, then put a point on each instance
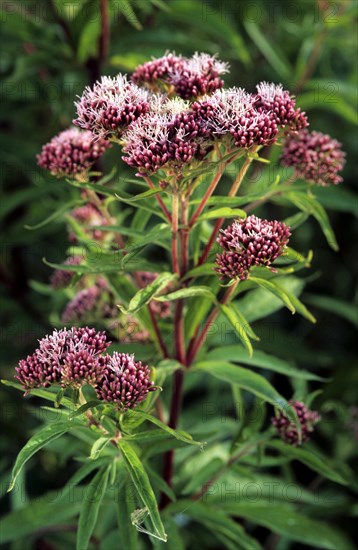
(33, 372)
(82, 367)
(156, 140)
(198, 76)
(232, 112)
(317, 157)
(110, 106)
(126, 382)
(61, 277)
(277, 102)
(154, 74)
(288, 429)
(249, 242)
(71, 153)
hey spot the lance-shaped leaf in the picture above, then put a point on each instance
(190, 292)
(247, 380)
(178, 434)
(90, 507)
(223, 212)
(312, 459)
(141, 482)
(288, 298)
(37, 441)
(240, 324)
(284, 520)
(145, 295)
(260, 359)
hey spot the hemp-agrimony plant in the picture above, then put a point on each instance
(185, 258)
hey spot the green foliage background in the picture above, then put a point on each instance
(49, 53)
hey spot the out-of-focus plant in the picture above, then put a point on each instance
(182, 277)
(181, 131)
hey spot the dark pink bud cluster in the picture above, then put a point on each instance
(110, 106)
(47, 364)
(250, 242)
(71, 153)
(61, 277)
(316, 157)
(277, 102)
(232, 112)
(89, 217)
(288, 429)
(154, 74)
(188, 77)
(198, 76)
(82, 367)
(126, 382)
(152, 142)
(32, 372)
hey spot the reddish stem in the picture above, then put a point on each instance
(159, 200)
(197, 341)
(234, 189)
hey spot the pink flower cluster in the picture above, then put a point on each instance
(110, 106)
(76, 357)
(173, 110)
(250, 242)
(71, 153)
(316, 157)
(187, 77)
(288, 429)
(45, 366)
(126, 382)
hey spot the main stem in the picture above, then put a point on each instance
(179, 336)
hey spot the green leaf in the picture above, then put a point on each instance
(187, 293)
(289, 299)
(141, 481)
(45, 394)
(145, 295)
(56, 214)
(268, 302)
(337, 198)
(283, 520)
(260, 359)
(312, 459)
(37, 441)
(51, 509)
(98, 447)
(203, 476)
(333, 305)
(310, 205)
(222, 213)
(88, 46)
(201, 271)
(178, 434)
(239, 323)
(140, 196)
(273, 55)
(127, 534)
(214, 519)
(245, 379)
(159, 482)
(90, 507)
